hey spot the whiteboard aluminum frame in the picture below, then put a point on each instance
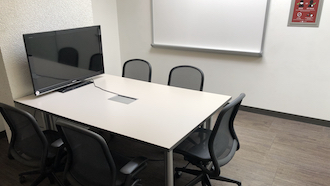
(213, 50)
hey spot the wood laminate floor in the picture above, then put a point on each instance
(274, 152)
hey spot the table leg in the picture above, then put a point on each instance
(48, 120)
(169, 174)
(45, 119)
(208, 123)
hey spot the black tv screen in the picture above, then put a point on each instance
(61, 58)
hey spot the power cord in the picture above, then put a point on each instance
(110, 91)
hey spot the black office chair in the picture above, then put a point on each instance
(186, 76)
(137, 69)
(216, 146)
(68, 56)
(90, 161)
(96, 62)
(31, 146)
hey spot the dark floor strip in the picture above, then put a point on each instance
(286, 116)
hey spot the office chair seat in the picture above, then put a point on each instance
(196, 146)
(196, 149)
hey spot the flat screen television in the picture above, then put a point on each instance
(62, 58)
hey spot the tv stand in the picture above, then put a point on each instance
(74, 86)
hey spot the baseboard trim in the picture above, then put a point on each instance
(3, 134)
(286, 116)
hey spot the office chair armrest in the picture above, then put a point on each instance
(134, 164)
(61, 154)
(58, 143)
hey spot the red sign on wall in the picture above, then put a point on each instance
(305, 11)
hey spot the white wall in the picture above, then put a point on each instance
(105, 14)
(28, 16)
(291, 77)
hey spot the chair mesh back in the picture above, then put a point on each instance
(26, 138)
(137, 69)
(186, 77)
(89, 164)
(223, 141)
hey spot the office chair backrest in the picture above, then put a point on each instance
(223, 142)
(96, 62)
(137, 69)
(186, 76)
(28, 144)
(89, 159)
(68, 56)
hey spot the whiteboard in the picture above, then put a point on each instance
(225, 26)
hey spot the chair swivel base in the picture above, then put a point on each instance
(202, 177)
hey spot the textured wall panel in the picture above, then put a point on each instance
(18, 17)
(5, 94)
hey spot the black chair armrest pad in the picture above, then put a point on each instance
(132, 165)
(58, 143)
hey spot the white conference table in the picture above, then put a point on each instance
(161, 115)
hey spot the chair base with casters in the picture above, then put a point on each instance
(43, 175)
(202, 177)
(209, 150)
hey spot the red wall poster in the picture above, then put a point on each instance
(305, 11)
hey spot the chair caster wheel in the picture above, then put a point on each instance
(22, 179)
(177, 174)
